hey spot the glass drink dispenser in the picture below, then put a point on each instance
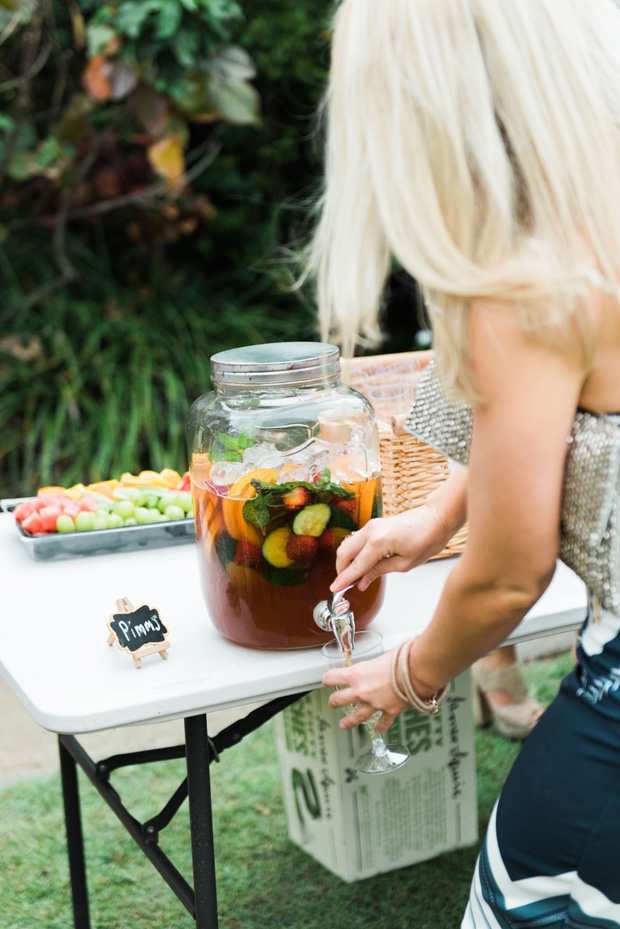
(284, 463)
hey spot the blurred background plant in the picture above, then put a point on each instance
(158, 159)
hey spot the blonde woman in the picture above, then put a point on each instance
(478, 143)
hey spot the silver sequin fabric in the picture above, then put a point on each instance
(590, 512)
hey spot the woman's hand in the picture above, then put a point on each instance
(369, 684)
(393, 543)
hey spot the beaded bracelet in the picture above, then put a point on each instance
(401, 682)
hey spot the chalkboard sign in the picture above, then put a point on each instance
(139, 632)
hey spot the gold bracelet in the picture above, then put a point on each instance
(404, 689)
(397, 690)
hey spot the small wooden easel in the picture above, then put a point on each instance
(124, 606)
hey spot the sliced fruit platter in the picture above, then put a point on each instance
(136, 511)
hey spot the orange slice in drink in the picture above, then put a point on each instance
(365, 493)
(200, 467)
(367, 497)
(232, 505)
(211, 524)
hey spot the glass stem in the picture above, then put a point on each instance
(378, 746)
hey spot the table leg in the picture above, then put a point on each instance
(201, 822)
(75, 841)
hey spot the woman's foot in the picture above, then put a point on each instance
(500, 692)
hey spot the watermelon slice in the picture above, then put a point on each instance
(71, 508)
(87, 504)
(23, 510)
(33, 524)
(49, 516)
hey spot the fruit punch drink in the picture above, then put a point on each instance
(284, 463)
(267, 553)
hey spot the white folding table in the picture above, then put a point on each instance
(56, 659)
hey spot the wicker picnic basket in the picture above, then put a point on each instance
(410, 469)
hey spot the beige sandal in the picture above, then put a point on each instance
(518, 718)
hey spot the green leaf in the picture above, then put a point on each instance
(237, 103)
(49, 151)
(185, 46)
(132, 15)
(97, 37)
(256, 512)
(169, 19)
(232, 65)
(286, 577)
(220, 454)
(324, 488)
(229, 447)
(25, 139)
(341, 520)
(22, 166)
(190, 5)
(324, 482)
(227, 441)
(230, 94)
(226, 546)
(337, 491)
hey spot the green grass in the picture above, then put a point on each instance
(264, 881)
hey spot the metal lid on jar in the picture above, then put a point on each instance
(276, 364)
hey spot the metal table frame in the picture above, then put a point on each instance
(199, 751)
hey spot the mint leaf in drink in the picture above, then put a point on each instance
(341, 520)
(286, 577)
(230, 447)
(245, 440)
(324, 481)
(256, 512)
(337, 491)
(226, 547)
(324, 488)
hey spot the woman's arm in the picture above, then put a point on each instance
(399, 543)
(514, 495)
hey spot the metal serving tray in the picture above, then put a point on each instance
(101, 541)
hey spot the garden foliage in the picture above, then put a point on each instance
(158, 160)
(155, 156)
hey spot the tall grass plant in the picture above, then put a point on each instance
(94, 386)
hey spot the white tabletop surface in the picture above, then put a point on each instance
(53, 636)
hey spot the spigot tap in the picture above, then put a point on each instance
(335, 614)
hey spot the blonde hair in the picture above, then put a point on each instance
(476, 141)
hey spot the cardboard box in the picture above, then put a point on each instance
(358, 825)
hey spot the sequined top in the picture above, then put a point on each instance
(590, 510)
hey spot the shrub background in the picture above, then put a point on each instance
(158, 162)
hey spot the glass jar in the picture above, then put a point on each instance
(284, 463)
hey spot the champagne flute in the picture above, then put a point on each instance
(380, 758)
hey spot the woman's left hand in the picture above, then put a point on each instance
(368, 684)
